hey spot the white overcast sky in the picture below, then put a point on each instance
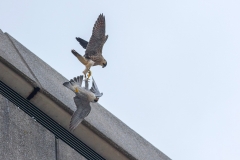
(173, 66)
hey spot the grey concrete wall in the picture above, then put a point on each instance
(22, 138)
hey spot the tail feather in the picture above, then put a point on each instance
(73, 83)
(75, 79)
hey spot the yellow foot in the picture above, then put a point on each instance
(89, 74)
(76, 90)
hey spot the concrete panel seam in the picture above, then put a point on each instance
(23, 60)
(56, 148)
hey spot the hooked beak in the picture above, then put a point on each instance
(96, 99)
(104, 65)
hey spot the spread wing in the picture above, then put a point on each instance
(97, 40)
(94, 89)
(83, 109)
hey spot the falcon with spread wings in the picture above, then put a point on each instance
(83, 99)
(93, 54)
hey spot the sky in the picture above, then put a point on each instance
(173, 66)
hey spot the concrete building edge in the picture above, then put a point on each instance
(87, 133)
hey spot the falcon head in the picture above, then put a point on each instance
(96, 99)
(104, 64)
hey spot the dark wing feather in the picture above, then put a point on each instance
(83, 109)
(97, 39)
(82, 42)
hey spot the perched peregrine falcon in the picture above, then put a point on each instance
(83, 99)
(93, 54)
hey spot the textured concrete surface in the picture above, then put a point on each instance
(11, 78)
(100, 120)
(122, 135)
(21, 137)
(10, 54)
(49, 79)
(66, 152)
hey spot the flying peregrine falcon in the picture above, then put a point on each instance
(93, 54)
(83, 99)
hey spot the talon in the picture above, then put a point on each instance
(76, 90)
(89, 74)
